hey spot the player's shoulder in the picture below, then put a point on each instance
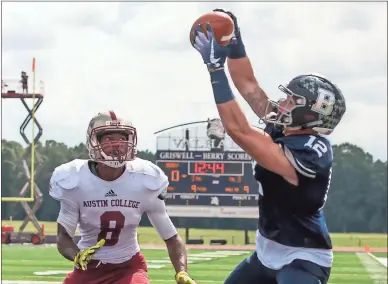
(65, 179)
(67, 175)
(307, 143)
(312, 153)
(152, 176)
(144, 167)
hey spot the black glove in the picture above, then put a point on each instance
(236, 48)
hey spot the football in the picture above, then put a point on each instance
(221, 23)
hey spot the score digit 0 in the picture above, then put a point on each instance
(175, 175)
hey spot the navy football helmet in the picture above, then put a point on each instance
(312, 102)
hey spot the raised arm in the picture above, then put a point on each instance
(256, 143)
(241, 72)
(244, 79)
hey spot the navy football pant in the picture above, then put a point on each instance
(252, 271)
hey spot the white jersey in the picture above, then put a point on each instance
(111, 210)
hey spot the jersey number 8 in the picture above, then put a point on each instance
(111, 224)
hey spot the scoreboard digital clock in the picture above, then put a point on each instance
(203, 168)
(179, 171)
(216, 168)
(197, 176)
(209, 174)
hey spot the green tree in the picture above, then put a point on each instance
(12, 175)
(356, 201)
(357, 198)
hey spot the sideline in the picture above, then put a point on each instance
(375, 269)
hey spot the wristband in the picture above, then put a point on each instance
(236, 50)
(221, 88)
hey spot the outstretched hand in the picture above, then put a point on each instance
(213, 54)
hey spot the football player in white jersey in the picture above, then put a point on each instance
(106, 197)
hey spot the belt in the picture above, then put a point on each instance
(94, 263)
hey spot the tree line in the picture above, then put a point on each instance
(357, 200)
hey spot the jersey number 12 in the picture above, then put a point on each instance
(317, 146)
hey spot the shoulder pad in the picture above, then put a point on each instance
(67, 175)
(309, 154)
(64, 178)
(154, 177)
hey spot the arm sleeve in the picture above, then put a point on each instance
(68, 217)
(157, 183)
(62, 188)
(300, 163)
(308, 160)
(160, 220)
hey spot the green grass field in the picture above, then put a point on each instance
(148, 235)
(28, 263)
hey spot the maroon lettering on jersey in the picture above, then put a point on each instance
(95, 203)
(113, 202)
(124, 203)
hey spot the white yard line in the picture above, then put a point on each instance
(377, 272)
(382, 260)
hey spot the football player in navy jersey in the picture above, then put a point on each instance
(294, 162)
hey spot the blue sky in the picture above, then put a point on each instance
(136, 58)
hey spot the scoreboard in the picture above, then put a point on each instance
(209, 175)
(222, 180)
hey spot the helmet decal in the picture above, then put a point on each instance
(313, 102)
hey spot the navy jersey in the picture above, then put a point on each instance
(292, 215)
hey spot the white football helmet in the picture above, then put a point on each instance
(112, 153)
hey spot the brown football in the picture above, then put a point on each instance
(221, 23)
